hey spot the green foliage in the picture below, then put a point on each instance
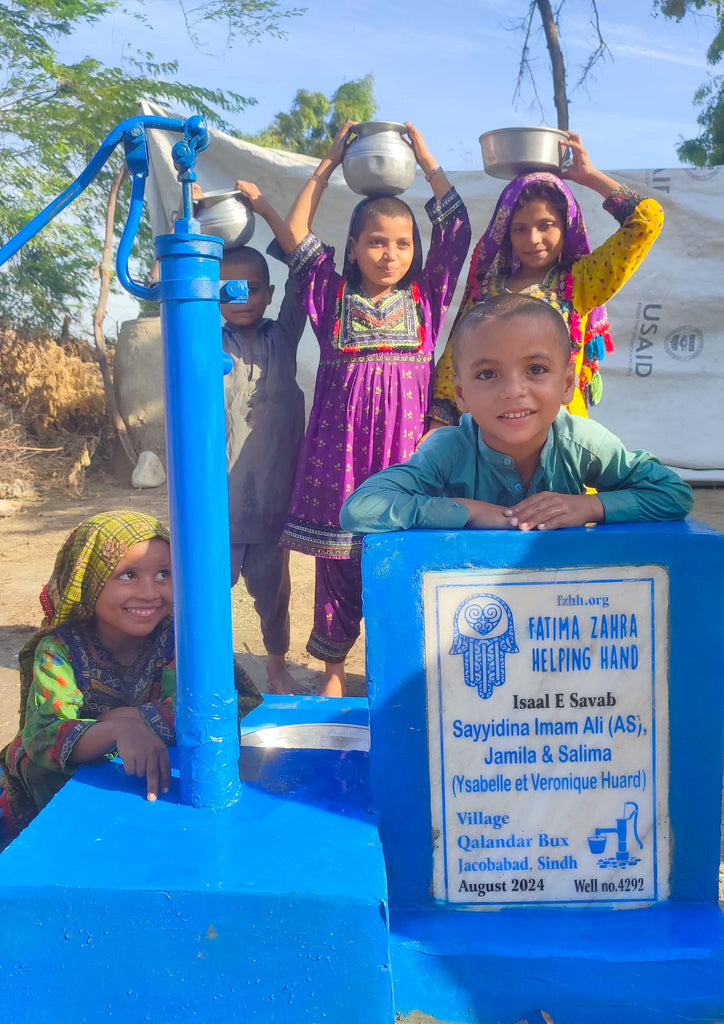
(53, 117)
(241, 20)
(708, 148)
(314, 120)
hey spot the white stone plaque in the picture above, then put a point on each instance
(547, 696)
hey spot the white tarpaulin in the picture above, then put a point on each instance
(669, 358)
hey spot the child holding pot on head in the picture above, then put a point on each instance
(264, 428)
(376, 324)
(536, 244)
(264, 409)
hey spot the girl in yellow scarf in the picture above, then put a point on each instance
(97, 679)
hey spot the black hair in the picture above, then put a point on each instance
(245, 254)
(505, 307)
(377, 206)
(548, 193)
(382, 206)
(537, 190)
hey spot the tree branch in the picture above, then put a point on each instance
(525, 68)
(601, 50)
(558, 67)
(524, 65)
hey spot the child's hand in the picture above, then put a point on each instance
(336, 151)
(196, 191)
(484, 515)
(250, 192)
(582, 169)
(259, 204)
(419, 147)
(143, 752)
(551, 511)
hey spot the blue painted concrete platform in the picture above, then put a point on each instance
(658, 965)
(279, 709)
(277, 909)
(127, 911)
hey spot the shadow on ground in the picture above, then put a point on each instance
(12, 638)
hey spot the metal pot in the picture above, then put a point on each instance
(310, 736)
(226, 215)
(377, 160)
(508, 152)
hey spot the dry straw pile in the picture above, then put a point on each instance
(52, 412)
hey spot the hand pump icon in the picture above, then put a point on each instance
(597, 842)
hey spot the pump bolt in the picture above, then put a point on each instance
(234, 291)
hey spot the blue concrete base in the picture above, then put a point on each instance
(279, 709)
(274, 910)
(659, 965)
(662, 965)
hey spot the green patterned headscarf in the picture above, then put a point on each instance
(83, 565)
(87, 559)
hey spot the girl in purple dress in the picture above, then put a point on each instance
(376, 324)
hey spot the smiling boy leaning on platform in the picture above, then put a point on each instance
(517, 460)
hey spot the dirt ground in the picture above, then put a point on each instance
(29, 541)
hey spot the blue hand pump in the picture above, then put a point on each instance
(188, 293)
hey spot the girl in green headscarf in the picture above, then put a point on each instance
(97, 679)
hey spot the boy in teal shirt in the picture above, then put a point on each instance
(517, 460)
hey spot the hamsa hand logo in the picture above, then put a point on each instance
(483, 633)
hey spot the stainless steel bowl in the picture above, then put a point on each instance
(226, 215)
(508, 152)
(310, 736)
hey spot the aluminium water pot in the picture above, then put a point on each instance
(377, 159)
(226, 215)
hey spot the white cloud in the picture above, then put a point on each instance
(689, 61)
(647, 39)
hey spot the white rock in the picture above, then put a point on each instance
(149, 471)
(9, 508)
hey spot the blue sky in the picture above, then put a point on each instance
(451, 68)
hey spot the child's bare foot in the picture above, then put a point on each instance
(335, 679)
(278, 675)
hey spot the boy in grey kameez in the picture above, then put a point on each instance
(264, 427)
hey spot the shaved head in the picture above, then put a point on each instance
(506, 307)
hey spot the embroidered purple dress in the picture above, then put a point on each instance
(372, 389)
